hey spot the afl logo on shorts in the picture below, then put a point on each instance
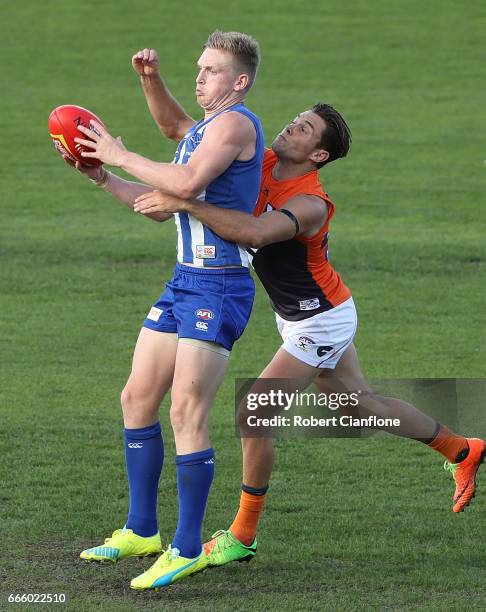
(205, 315)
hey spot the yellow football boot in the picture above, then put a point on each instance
(169, 568)
(122, 544)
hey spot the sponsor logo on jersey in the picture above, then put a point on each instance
(154, 313)
(202, 325)
(304, 343)
(311, 304)
(135, 445)
(203, 313)
(205, 251)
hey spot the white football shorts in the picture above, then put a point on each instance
(320, 340)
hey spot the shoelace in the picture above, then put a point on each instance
(225, 541)
(460, 479)
(451, 467)
(167, 556)
(115, 533)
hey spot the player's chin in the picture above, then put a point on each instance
(276, 145)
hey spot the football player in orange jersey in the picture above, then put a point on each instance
(314, 310)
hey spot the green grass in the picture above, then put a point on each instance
(349, 525)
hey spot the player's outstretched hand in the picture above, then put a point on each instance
(101, 144)
(157, 201)
(146, 62)
(93, 172)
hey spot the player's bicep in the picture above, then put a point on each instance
(274, 226)
(209, 162)
(309, 211)
(222, 143)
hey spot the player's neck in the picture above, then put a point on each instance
(223, 106)
(285, 170)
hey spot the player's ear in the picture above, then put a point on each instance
(241, 82)
(319, 156)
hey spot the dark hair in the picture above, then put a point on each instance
(336, 137)
(243, 48)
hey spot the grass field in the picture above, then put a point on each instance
(350, 524)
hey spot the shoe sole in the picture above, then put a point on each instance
(480, 463)
(245, 559)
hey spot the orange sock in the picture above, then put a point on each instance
(449, 444)
(244, 526)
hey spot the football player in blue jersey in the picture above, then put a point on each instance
(189, 332)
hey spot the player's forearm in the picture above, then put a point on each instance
(127, 191)
(174, 179)
(166, 111)
(232, 225)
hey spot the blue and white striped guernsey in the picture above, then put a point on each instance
(237, 188)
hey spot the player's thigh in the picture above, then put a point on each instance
(284, 374)
(198, 374)
(286, 366)
(152, 366)
(346, 376)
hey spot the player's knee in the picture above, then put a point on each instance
(241, 418)
(187, 416)
(135, 404)
(126, 398)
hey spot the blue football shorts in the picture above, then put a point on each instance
(204, 304)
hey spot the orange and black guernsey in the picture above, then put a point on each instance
(296, 273)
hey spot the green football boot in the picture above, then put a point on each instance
(224, 548)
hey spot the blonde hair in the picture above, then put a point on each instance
(243, 48)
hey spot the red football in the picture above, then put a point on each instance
(63, 128)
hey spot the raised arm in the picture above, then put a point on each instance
(310, 212)
(168, 114)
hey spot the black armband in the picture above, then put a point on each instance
(292, 217)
